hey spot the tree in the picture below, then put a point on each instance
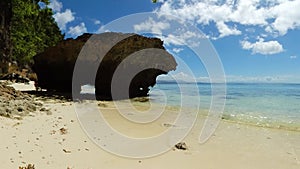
(33, 29)
(5, 27)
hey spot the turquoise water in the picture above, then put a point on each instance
(267, 105)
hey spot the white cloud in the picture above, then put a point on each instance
(293, 57)
(248, 79)
(64, 18)
(226, 31)
(263, 79)
(286, 15)
(183, 37)
(172, 39)
(55, 5)
(262, 47)
(97, 22)
(151, 25)
(177, 50)
(177, 37)
(188, 78)
(271, 15)
(77, 30)
(184, 77)
(102, 29)
(248, 12)
(177, 77)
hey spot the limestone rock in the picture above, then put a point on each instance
(55, 66)
(15, 104)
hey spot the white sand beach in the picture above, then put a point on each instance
(57, 141)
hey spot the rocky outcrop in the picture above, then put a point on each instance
(15, 104)
(5, 42)
(55, 66)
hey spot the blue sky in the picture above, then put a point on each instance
(257, 40)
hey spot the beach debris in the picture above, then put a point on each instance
(102, 104)
(16, 124)
(43, 109)
(29, 166)
(168, 125)
(48, 112)
(63, 131)
(66, 151)
(141, 99)
(181, 146)
(52, 132)
(226, 116)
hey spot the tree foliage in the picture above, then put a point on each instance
(33, 29)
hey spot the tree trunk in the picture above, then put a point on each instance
(5, 28)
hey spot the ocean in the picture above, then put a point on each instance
(266, 105)
(271, 105)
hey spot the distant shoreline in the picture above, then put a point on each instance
(241, 83)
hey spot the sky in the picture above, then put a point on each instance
(256, 40)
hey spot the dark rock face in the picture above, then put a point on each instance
(54, 67)
(5, 42)
(144, 56)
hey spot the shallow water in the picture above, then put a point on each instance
(267, 105)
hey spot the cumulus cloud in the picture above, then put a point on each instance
(55, 5)
(177, 50)
(184, 77)
(287, 16)
(262, 47)
(263, 79)
(227, 31)
(97, 22)
(182, 38)
(77, 30)
(61, 17)
(151, 25)
(272, 15)
(177, 77)
(64, 18)
(177, 37)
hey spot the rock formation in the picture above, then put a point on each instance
(15, 104)
(54, 67)
(148, 57)
(5, 42)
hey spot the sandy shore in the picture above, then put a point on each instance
(56, 140)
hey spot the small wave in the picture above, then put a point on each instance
(262, 121)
